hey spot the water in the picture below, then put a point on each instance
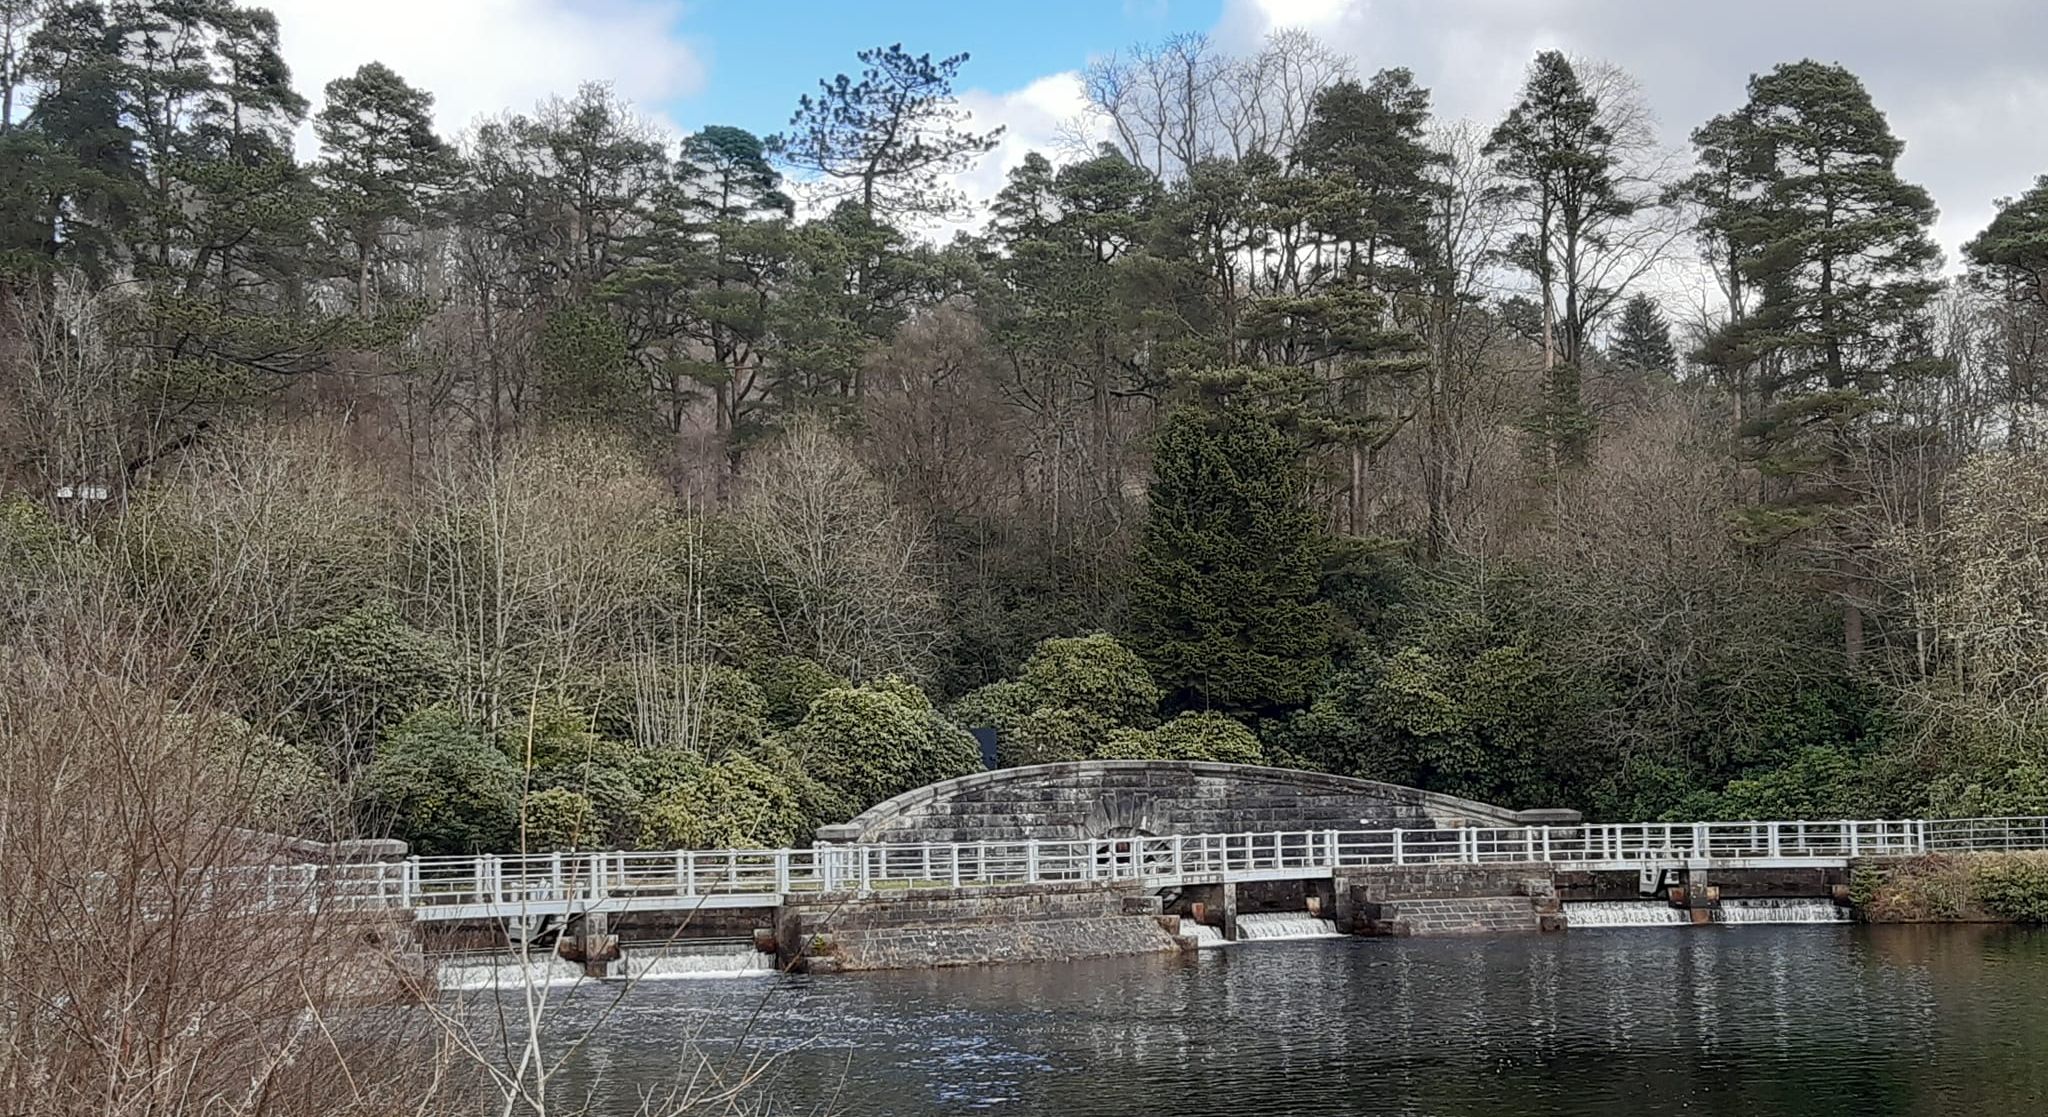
(1655, 913)
(1284, 925)
(484, 972)
(1763, 1021)
(696, 961)
(1204, 935)
(1624, 913)
(1780, 911)
(473, 973)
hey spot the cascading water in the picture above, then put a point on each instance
(472, 973)
(1657, 913)
(697, 960)
(1204, 935)
(1268, 925)
(1780, 911)
(1624, 913)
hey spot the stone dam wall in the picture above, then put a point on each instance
(1114, 798)
(843, 933)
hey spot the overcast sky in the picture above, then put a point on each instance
(1965, 82)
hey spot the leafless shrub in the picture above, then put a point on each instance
(150, 960)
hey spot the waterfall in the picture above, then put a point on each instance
(476, 972)
(1780, 911)
(1657, 913)
(1204, 935)
(706, 959)
(1266, 925)
(1624, 913)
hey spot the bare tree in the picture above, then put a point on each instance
(846, 572)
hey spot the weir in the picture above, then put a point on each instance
(1098, 858)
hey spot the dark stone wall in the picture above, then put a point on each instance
(845, 933)
(1092, 799)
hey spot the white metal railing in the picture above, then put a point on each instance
(451, 887)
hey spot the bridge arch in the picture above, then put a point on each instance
(1113, 798)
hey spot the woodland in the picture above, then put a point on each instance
(561, 482)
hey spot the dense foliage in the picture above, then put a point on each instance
(577, 485)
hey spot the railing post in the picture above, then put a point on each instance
(955, 849)
(1031, 860)
(1177, 868)
(689, 864)
(782, 871)
(407, 869)
(864, 877)
(1772, 841)
(1398, 859)
(1546, 844)
(1855, 845)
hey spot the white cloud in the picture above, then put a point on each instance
(1962, 82)
(1048, 116)
(479, 57)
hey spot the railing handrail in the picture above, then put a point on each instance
(580, 880)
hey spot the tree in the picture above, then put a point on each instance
(1642, 341)
(842, 571)
(1562, 150)
(1223, 600)
(2011, 261)
(383, 169)
(1838, 247)
(886, 140)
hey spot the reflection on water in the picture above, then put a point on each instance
(1830, 1021)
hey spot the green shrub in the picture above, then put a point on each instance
(737, 803)
(2018, 789)
(353, 677)
(1191, 736)
(2012, 885)
(1130, 744)
(438, 784)
(998, 706)
(614, 797)
(1051, 735)
(788, 685)
(561, 736)
(871, 743)
(277, 785)
(1208, 736)
(560, 819)
(1093, 673)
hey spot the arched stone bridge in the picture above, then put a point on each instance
(1138, 798)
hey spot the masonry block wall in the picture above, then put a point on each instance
(838, 933)
(1102, 798)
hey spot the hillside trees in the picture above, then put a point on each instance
(1837, 246)
(1224, 605)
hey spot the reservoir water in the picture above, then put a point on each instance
(1759, 1021)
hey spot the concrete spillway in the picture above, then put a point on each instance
(673, 962)
(1657, 913)
(1780, 911)
(1271, 925)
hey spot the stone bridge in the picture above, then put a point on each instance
(1141, 798)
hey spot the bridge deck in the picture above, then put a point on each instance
(520, 886)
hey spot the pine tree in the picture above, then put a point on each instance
(383, 168)
(1838, 247)
(1563, 162)
(1642, 341)
(1224, 603)
(886, 140)
(2010, 261)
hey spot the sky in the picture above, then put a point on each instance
(1964, 82)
